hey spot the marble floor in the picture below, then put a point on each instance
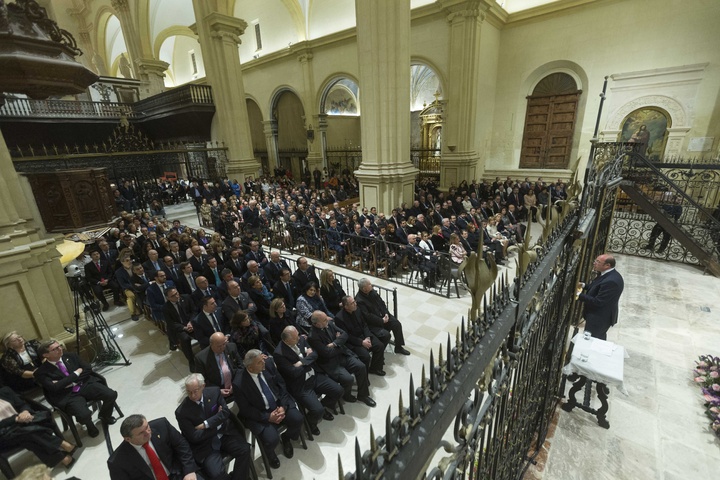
(657, 431)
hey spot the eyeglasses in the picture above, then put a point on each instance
(55, 349)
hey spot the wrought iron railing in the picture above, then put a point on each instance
(181, 96)
(495, 388)
(350, 285)
(689, 204)
(343, 159)
(427, 161)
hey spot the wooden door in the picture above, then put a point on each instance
(550, 123)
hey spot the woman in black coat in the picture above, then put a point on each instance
(331, 291)
(21, 426)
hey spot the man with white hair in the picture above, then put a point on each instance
(212, 430)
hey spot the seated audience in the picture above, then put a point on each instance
(19, 362)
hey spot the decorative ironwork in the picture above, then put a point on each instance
(37, 15)
(496, 387)
(427, 161)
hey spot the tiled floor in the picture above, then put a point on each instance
(658, 431)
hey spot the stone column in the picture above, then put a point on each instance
(460, 157)
(219, 36)
(37, 301)
(270, 130)
(314, 145)
(151, 74)
(386, 174)
(130, 33)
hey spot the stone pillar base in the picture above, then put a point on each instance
(456, 167)
(240, 169)
(386, 186)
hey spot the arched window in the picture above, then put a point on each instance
(550, 123)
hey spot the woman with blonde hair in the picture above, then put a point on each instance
(457, 251)
(279, 319)
(331, 290)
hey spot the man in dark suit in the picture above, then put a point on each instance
(218, 363)
(338, 361)
(304, 274)
(140, 282)
(256, 254)
(150, 449)
(153, 264)
(285, 288)
(227, 276)
(204, 289)
(602, 297)
(178, 311)
(99, 275)
(188, 278)
(361, 340)
(197, 259)
(376, 314)
(177, 255)
(264, 403)
(68, 382)
(212, 272)
(208, 321)
(172, 270)
(236, 262)
(295, 360)
(274, 267)
(210, 428)
(157, 295)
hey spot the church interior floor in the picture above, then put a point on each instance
(668, 317)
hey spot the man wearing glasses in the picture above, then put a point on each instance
(601, 297)
(69, 383)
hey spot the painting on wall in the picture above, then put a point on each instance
(341, 101)
(647, 126)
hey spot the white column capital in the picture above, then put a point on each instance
(226, 27)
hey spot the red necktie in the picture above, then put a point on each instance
(155, 463)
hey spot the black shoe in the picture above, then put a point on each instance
(367, 401)
(108, 420)
(314, 429)
(350, 398)
(274, 462)
(379, 372)
(106, 307)
(287, 446)
(92, 430)
(135, 318)
(401, 351)
(328, 416)
(173, 348)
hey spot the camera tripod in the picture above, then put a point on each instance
(95, 325)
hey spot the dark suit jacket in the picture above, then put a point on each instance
(279, 291)
(174, 452)
(229, 306)
(173, 275)
(177, 321)
(206, 364)
(238, 271)
(215, 411)
(354, 325)
(56, 386)
(198, 295)
(285, 358)
(93, 276)
(208, 273)
(156, 299)
(150, 270)
(202, 328)
(272, 272)
(183, 285)
(329, 359)
(601, 301)
(197, 266)
(248, 398)
(302, 279)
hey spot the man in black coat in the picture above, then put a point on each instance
(602, 297)
(375, 312)
(208, 321)
(210, 428)
(178, 312)
(361, 340)
(274, 267)
(337, 360)
(295, 360)
(68, 382)
(285, 288)
(99, 275)
(218, 363)
(159, 441)
(304, 274)
(265, 404)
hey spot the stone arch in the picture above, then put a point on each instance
(328, 84)
(102, 17)
(420, 60)
(675, 110)
(287, 114)
(175, 30)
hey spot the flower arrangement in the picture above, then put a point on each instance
(707, 374)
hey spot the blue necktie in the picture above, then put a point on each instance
(267, 392)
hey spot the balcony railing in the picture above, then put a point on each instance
(184, 96)
(26, 107)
